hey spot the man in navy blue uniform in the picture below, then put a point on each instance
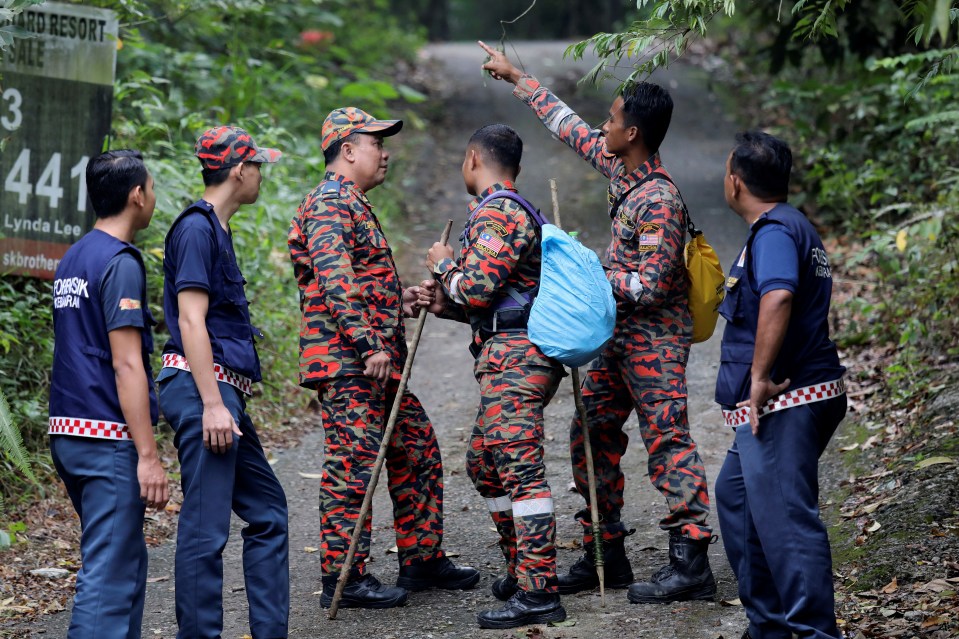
(209, 366)
(102, 402)
(780, 386)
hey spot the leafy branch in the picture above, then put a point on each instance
(668, 27)
(9, 10)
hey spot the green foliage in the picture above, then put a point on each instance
(9, 10)
(11, 442)
(914, 268)
(661, 35)
(664, 28)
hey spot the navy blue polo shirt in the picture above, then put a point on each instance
(199, 254)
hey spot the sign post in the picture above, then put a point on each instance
(56, 94)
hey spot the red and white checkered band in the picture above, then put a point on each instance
(95, 428)
(222, 373)
(795, 397)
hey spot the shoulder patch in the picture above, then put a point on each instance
(330, 190)
(496, 227)
(650, 236)
(489, 244)
(625, 220)
(128, 304)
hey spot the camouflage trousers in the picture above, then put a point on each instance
(505, 455)
(354, 412)
(654, 384)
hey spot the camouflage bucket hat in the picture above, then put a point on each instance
(342, 122)
(226, 146)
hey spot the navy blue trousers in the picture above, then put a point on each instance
(767, 498)
(242, 481)
(101, 478)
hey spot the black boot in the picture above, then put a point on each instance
(524, 608)
(505, 587)
(365, 591)
(582, 574)
(686, 577)
(437, 573)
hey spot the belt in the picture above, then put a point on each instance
(95, 428)
(795, 397)
(222, 373)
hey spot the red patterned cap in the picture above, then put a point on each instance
(342, 122)
(226, 146)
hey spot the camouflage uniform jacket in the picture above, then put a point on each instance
(350, 292)
(501, 247)
(648, 232)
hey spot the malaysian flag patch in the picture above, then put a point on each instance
(650, 236)
(127, 304)
(489, 244)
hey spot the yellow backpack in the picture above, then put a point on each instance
(707, 283)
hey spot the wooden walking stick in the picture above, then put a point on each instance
(587, 449)
(381, 455)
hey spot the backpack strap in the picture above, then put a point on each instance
(690, 227)
(516, 197)
(513, 300)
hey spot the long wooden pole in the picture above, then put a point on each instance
(587, 449)
(381, 455)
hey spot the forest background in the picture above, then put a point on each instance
(864, 91)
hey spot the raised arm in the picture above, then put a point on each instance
(555, 115)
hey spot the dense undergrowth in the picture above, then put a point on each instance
(274, 68)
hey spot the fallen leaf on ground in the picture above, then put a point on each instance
(932, 461)
(563, 624)
(934, 621)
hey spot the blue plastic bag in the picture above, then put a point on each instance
(574, 313)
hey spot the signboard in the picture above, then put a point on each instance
(56, 92)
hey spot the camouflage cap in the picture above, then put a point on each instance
(342, 122)
(226, 146)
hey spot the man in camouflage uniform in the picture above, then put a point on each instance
(490, 286)
(644, 365)
(352, 349)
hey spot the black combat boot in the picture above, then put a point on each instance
(364, 591)
(686, 577)
(524, 608)
(582, 574)
(437, 573)
(505, 587)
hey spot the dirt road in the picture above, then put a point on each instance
(694, 151)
